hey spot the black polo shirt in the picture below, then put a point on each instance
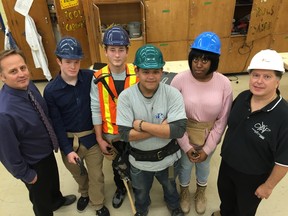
(255, 141)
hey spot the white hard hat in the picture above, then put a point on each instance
(267, 60)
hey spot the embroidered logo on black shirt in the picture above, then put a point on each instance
(260, 129)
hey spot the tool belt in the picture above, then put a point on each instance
(198, 131)
(76, 136)
(157, 154)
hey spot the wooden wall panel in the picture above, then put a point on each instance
(279, 42)
(281, 24)
(173, 51)
(166, 20)
(262, 19)
(236, 54)
(94, 33)
(71, 21)
(213, 16)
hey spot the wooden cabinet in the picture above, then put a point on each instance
(166, 21)
(70, 22)
(241, 18)
(262, 19)
(281, 25)
(16, 23)
(244, 27)
(279, 40)
(173, 51)
(259, 20)
(215, 16)
(167, 27)
(116, 12)
(237, 54)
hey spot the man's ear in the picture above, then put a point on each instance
(136, 69)
(58, 61)
(2, 77)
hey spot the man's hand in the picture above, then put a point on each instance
(104, 146)
(72, 156)
(263, 191)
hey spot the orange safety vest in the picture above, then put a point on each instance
(107, 102)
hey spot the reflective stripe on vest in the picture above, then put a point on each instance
(107, 104)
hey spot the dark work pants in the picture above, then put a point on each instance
(237, 191)
(121, 147)
(45, 194)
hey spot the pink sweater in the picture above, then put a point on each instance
(205, 102)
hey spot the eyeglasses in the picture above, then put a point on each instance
(202, 60)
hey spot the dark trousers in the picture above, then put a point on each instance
(237, 191)
(45, 194)
(118, 181)
(122, 149)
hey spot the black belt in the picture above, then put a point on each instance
(157, 154)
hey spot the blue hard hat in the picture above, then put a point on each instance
(207, 41)
(69, 48)
(116, 36)
(149, 57)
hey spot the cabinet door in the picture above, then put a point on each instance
(92, 20)
(173, 51)
(166, 20)
(43, 24)
(236, 54)
(213, 16)
(262, 19)
(279, 42)
(281, 25)
(71, 21)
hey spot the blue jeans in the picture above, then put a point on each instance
(142, 183)
(202, 170)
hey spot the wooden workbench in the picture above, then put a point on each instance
(176, 66)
